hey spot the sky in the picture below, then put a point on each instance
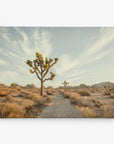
(86, 54)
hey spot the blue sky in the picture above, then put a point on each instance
(86, 55)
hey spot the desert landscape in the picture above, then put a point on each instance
(56, 72)
(83, 101)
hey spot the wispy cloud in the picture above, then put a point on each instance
(2, 62)
(96, 51)
(19, 44)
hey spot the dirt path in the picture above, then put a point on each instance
(60, 108)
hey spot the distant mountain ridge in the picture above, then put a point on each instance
(102, 84)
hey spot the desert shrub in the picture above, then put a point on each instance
(73, 98)
(50, 92)
(2, 93)
(93, 91)
(49, 99)
(15, 110)
(107, 93)
(31, 96)
(112, 90)
(40, 101)
(87, 112)
(11, 110)
(84, 93)
(112, 95)
(27, 104)
(108, 112)
(19, 89)
(44, 94)
(67, 95)
(9, 97)
(96, 103)
(62, 92)
(23, 94)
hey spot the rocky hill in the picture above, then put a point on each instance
(102, 84)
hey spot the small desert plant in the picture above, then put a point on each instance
(67, 95)
(107, 93)
(111, 96)
(84, 93)
(41, 68)
(31, 96)
(11, 110)
(73, 98)
(49, 99)
(107, 112)
(87, 112)
(40, 101)
(65, 83)
(50, 92)
(96, 103)
(27, 104)
(62, 92)
(9, 98)
(107, 90)
(2, 93)
(19, 89)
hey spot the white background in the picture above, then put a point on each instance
(56, 13)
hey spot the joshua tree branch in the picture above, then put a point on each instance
(48, 69)
(37, 75)
(46, 79)
(53, 64)
(46, 72)
(36, 66)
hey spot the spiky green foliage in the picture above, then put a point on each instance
(41, 67)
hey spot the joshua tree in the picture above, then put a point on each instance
(65, 84)
(41, 67)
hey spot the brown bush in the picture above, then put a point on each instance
(84, 93)
(11, 110)
(107, 93)
(87, 112)
(19, 89)
(112, 95)
(15, 110)
(9, 98)
(74, 98)
(32, 96)
(50, 92)
(49, 99)
(40, 101)
(2, 93)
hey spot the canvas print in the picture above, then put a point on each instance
(56, 72)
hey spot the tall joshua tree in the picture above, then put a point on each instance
(65, 83)
(41, 67)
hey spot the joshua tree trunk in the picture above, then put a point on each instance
(65, 88)
(42, 87)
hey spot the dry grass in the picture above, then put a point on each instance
(107, 112)
(49, 99)
(50, 92)
(11, 110)
(107, 93)
(65, 93)
(74, 98)
(16, 102)
(87, 112)
(40, 101)
(9, 98)
(2, 93)
(19, 89)
(84, 93)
